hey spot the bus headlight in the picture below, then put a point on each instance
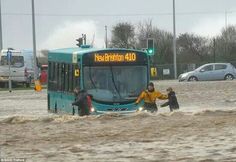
(140, 109)
(92, 109)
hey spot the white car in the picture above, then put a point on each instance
(211, 71)
(20, 72)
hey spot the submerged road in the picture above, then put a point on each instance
(202, 130)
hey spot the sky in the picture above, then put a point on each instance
(60, 22)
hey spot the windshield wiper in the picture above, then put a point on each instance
(113, 81)
(90, 77)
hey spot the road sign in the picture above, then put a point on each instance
(9, 55)
(166, 71)
(153, 72)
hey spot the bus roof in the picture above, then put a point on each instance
(66, 55)
(82, 51)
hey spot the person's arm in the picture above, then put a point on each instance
(78, 100)
(165, 104)
(161, 96)
(141, 96)
(75, 103)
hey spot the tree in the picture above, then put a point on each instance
(162, 42)
(192, 48)
(123, 36)
(226, 44)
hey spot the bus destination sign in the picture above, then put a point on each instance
(115, 57)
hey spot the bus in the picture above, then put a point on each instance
(113, 77)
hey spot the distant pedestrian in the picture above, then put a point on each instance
(149, 96)
(83, 101)
(172, 100)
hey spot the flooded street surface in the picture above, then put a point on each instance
(204, 129)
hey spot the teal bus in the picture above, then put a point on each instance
(113, 77)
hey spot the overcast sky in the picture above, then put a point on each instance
(60, 22)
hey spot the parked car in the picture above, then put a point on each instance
(211, 71)
(20, 70)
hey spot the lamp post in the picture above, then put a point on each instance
(34, 43)
(1, 27)
(174, 41)
(106, 36)
(214, 49)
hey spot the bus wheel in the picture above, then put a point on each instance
(73, 110)
(55, 108)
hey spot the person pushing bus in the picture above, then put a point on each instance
(83, 101)
(149, 96)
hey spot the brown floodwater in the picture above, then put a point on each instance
(204, 129)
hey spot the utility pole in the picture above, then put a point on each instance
(34, 43)
(1, 43)
(84, 39)
(174, 41)
(214, 49)
(106, 36)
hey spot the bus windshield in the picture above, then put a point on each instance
(16, 61)
(115, 83)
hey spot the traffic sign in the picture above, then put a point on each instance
(9, 55)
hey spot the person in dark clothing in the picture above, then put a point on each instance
(83, 101)
(172, 100)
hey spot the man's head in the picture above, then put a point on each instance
(169, 89)
(150, 87)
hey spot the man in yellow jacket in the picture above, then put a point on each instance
(149, 96)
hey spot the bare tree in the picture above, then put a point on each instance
(193, 48)
(162, 41)
(123, 36)
(226, 44)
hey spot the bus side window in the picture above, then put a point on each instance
(70, 82)
(55, 76)
(66, 77)
(59, 77)
(52, 76)
(62, 77)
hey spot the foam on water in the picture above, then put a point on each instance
(111, 116)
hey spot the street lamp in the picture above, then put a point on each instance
(174, 41)
(34, 43)
(105, 36)
(1, 44)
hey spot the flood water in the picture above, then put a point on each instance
(204, 129)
